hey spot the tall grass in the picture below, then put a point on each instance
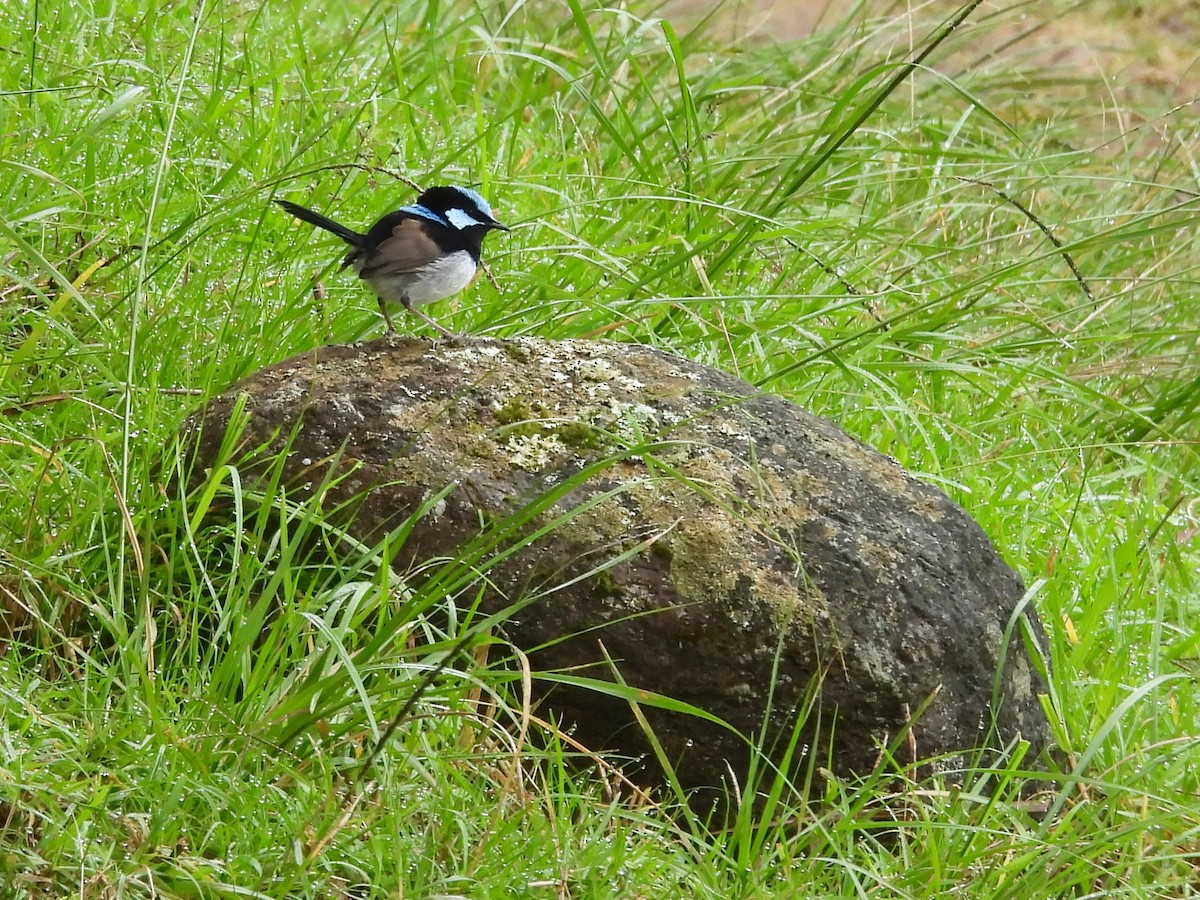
(880, 256)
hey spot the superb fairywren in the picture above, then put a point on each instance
(418, 253)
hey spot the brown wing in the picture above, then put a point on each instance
(407, 250)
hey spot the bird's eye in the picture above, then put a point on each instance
(460, 218)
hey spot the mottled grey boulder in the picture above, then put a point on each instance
(761, 539)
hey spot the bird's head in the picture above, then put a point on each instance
(459, 208)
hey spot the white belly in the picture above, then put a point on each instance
(439, 279)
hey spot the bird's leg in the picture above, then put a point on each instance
(407, 304)
(387, 317)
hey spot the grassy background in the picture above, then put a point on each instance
(177, 701)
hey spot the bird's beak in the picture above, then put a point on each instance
(500, 226)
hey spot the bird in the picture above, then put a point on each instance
(419, 253)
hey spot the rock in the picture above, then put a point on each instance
(764, 546)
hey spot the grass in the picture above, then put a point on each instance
(178, 698)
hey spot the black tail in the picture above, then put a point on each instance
(351, 237)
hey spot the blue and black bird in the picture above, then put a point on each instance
(419, 253)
